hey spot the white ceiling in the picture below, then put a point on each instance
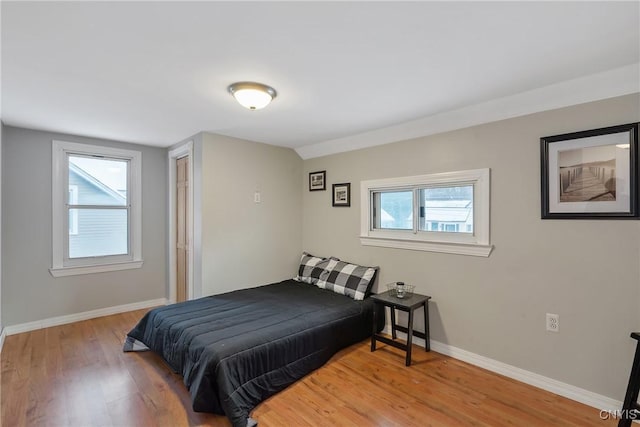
(157, 72)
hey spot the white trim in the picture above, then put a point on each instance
(85, 315)
(476, 244)
(442, 247)
(59, 194)
(608, 84)
(3, 335)
(89, 269)
(569, 391)
(183, 150)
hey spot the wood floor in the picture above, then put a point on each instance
(77, 375)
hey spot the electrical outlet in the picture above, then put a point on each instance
(553, 322)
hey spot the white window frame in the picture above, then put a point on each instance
(61, 265)
(474, 244)
(73, 199)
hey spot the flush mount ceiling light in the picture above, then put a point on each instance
(251, 95)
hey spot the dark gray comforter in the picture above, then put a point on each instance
(234, 350)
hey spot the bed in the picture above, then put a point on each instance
(236, 349)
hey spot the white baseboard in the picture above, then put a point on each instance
(77, 317)
(569, 391)
(3, 334)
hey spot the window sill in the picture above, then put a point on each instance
(90, 269)
(441, 247)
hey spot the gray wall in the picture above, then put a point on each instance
(1, 132)
(586, 271)
(244, 243)
(29, 292)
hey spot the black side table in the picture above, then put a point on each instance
(407, 304)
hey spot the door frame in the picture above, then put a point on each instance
(184, 150)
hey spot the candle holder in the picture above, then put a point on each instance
(400, 290)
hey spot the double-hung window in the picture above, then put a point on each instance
(96, 209)
(445, 212)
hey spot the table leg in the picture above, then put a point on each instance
(393, 322)
(373, 328)
(633, 389)
(409, 337)
(427, 343)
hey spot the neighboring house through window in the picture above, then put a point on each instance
(96, 209)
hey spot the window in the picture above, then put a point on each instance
(393, 210)
(96, 209)
(447, 212)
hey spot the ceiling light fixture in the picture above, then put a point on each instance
(251, 95)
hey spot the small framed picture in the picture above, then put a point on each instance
(342, 195)
(591, 174)
(317, 181)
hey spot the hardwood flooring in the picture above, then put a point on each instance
(77, 375)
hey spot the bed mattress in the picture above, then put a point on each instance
(236, 349)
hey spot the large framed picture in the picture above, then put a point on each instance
(317, 181)
(591, 174)
(342, 195)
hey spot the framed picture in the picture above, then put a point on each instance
(591, 174)
(317, 181)
(342, 194)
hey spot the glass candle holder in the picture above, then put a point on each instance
(400, 290)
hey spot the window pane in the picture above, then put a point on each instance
(448, 209)
(393, 210)
(98, 181)
(99, 232)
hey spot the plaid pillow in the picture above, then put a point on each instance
(347, 279)
(310, 268)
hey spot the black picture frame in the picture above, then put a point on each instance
(591, 174)
(318, 181)
(341, 195)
